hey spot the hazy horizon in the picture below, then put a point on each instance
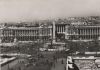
(29, 10)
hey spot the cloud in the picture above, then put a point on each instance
(27, 10)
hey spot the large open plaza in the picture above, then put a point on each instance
(49, 34)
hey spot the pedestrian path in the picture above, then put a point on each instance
(58, 65)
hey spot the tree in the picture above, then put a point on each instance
(94, 46)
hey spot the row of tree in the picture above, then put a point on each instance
(92, 46)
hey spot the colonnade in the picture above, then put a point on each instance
(85, 32)
(89, 31)
(60, 28)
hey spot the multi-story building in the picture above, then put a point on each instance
(83, 32)
(60, 31)
(56, 31)
(9, 34)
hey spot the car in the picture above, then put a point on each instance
(27, 64)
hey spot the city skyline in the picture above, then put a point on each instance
(29, 10)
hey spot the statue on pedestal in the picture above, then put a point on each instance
(15, 40)
(0, 40)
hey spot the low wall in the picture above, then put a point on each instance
(92, 52)
(9, 64)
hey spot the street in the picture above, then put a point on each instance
(58, 65)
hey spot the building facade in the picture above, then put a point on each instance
(77, 31)
(83, 32)
(60, 31)
(57, 32)
(9, 34)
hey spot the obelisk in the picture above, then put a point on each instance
(53, 32)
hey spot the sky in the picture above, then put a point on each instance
(29, 10)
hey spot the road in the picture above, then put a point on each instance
(58, 65)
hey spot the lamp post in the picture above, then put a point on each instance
(38, 42)
(96, 45)
(50, 42)
(87, 49)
